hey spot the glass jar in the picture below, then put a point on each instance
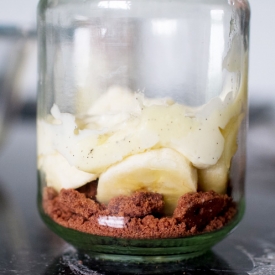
(142, 114)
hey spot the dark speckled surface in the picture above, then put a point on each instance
(28, 247)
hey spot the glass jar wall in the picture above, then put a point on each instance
(142, 113)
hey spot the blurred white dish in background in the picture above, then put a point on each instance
(17, 45)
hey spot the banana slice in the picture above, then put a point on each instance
(163, 171)
(60, 174)
(216, 177)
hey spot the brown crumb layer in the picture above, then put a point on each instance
(138, 216)
(198, 209)
(139, 204)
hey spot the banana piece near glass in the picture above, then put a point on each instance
(162, 171)
(216, 177)
(60, 174)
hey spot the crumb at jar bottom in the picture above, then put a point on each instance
(135, 226)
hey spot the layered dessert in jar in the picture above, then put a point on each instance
(136, 167)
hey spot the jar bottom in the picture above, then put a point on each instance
(81, 263)
(111, 251)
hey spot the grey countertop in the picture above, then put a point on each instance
(27, 246)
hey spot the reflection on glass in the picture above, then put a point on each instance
(115, 222)
(216, 49)
(164, 27)
(123, 5)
